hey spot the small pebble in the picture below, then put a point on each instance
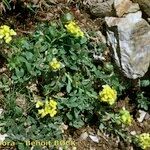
(94, 138)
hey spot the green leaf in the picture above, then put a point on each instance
(69, 87)
(68, 76)
(52, 31)
(69, 115)
(78, 124)
(28, 55)
(22, 59)
(92, 95)
(83, 40)
(37, 147)
(76, 113)
(7, 4)
(145, 83)
(21, 146)
(19, 73)
(18, 111)
(28, 65)
(67, 18)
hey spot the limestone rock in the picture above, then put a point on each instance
(147, 116)
(125, 6)
(129, 38)
(145, 6)
(94, 138)
(133, 132)
(142, 115)
(99, 8)
(84, 136)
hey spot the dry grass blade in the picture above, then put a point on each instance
(2, 7)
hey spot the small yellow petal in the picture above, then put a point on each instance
(1, 36)
(53, 112)
(5, 28)
(12, 32)
(53, 103)
(74, 29)
(8, 39)
(54, 64)
(42, 113)
(39, 104)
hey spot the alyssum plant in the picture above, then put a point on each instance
(71, 87)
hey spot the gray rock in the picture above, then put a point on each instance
(63, 127)
(129, 38)
(145, 6)
(99, 8)
(123, 7)
(84, 136)
(101, 37)
(147, 116)
(94, 138)
(142, 115)
(133, 132)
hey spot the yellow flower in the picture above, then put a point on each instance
(54, 64)
(49, 107)
(125, 117)
(6, 33)
(39, 104)
(108, 95)
(12, 32)
(74, 29)
(143, 140)
(53, 112)
(52, 103)
(42, 112)
(8, 39)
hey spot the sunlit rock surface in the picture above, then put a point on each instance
(129, 38)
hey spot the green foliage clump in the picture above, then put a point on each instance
(62, 68)
(142, 98)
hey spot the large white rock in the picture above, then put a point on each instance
(129, 38)
(145, 6)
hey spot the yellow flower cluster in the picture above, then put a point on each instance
(39, 104)
(74, 29)
(108, 95)
(125, 117)
(143, 140)
(47, 107)
(55, 64)
(6, 33)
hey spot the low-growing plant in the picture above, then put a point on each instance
(142, 140)
(23, 124)
(143, 101)
(71, 87)
(59, 60)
